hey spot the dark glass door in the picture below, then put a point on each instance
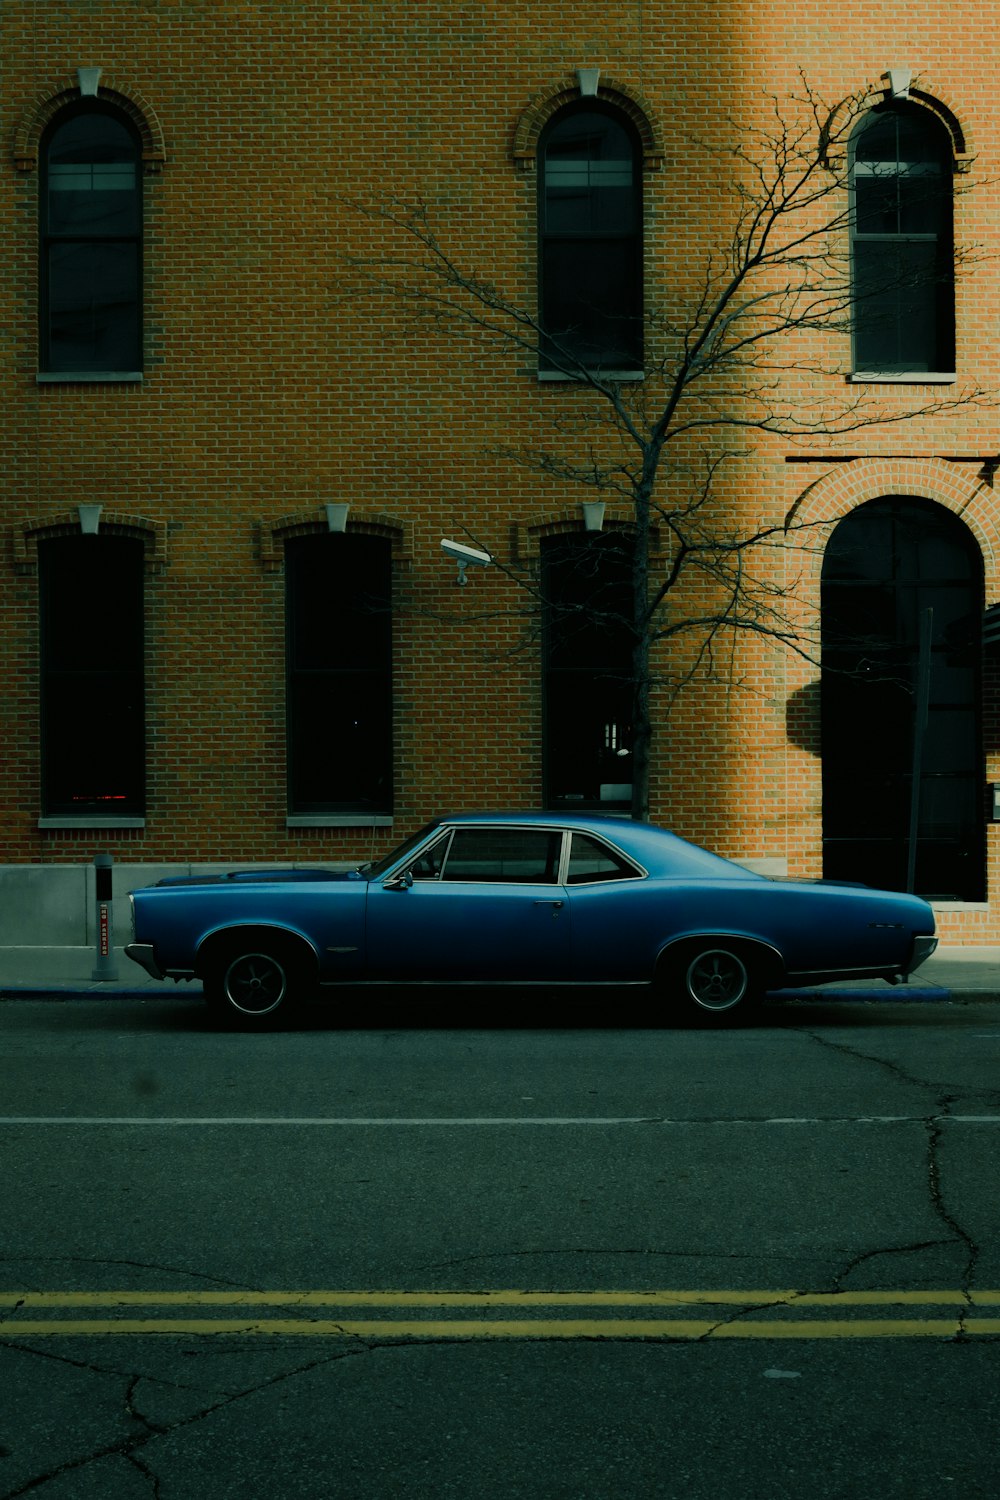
(588, 670)
(888, 564)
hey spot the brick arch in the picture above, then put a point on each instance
(272, 535)
(840, 126)
(152, 534)
(961, 489)
(936, 104)
(547, 103)
(47, 105)
(528, 538)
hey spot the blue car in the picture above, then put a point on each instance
(524, 899)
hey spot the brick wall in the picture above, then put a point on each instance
(274, 385)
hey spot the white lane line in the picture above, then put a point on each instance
(399, 1122)
(489, 1121)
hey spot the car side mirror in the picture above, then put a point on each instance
(398, 882)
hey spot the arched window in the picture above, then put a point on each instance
(902, 250)
(590, 241)
(91, 243)
(902, 603)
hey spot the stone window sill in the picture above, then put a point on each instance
(904, 377)
(339, 820)
(610, 377)
(90, 820)
(89, 377)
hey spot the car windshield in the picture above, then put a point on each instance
(375, 871)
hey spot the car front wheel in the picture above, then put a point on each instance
(717, 982)
(249, 985)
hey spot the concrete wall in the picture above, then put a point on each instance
(55, 906)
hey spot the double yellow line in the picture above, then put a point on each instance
(734, 1314)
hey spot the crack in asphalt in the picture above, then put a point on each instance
(844, 1050)
(10, 1312)
(933, 1123)
(130, 1448)
(910, 1248)
(147, 1473)
(606, 1252)
(739, 1313)
(946, 1216)
(133, 1410)
(95, 1367)
(894, 1068)
(185, 1272)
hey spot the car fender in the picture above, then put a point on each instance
(224, 930)
(712, 935)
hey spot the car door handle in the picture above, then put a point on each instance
(554, 904)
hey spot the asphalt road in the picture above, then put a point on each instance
(528, 1254)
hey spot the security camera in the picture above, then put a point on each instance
(465, 556)
(473, 557)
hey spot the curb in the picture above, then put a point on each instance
(61, 989)
(901, 995)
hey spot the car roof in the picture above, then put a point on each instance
(547, 815)
(657, 848)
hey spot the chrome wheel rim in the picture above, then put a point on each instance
(717, 979)
(255, 984)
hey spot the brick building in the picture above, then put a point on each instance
(229, 630)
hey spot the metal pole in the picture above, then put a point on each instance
(919, 731)
(105, 967)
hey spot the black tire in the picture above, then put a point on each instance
(718, 982)
(251, 984)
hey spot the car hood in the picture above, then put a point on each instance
(258, 877)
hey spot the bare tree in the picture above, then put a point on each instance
(749, 346)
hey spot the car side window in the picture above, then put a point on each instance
(507, 856)
(591, 860)
(431, 861)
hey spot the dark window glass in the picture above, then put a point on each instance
(507, 856)
(591, 860)
(92, 687)
(590, 242)
(902, 251)
(588, 673)
(431, 862)
(381, 867)
(91, 233)
(339, 690)
(886, 564)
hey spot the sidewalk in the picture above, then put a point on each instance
(952, 973)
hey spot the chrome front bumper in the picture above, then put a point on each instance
(144, 955)
(923, 947)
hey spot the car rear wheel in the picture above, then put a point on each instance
(718, 982)
(250, 984)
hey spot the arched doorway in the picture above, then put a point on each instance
(894, 569)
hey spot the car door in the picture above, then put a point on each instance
(615, 911)
(483, 904)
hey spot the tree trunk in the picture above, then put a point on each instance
(642, 728)
(642, 732)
